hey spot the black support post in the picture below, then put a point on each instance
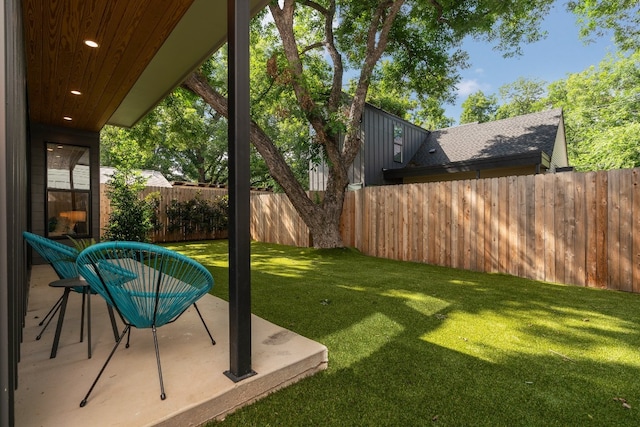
(238, 15)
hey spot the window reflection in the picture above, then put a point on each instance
(398, 142)
(68, 190)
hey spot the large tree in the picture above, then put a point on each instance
(523, 96)
(182, 137)
(479, 108)
(185, 139)
(318, 41)
(602, 113)
(621, 17)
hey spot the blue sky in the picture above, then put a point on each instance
(551, 59)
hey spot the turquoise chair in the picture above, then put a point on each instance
(63, 260)
(148, 285)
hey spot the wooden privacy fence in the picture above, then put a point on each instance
(179, 193)
(573, 228)
(275, 220)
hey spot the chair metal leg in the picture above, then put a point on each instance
(128, 339)
(63, 308)
(115, 347)
(163, 396)
(52, 312)
(114, 326)
(205, 325)
(88, 290)
(84, 295)
(50, 315)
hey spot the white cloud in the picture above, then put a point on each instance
(479, 70)
(468, 86)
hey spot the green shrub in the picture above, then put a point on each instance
(198, 215)
(131, 218)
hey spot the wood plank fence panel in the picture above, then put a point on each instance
(456, 220)
(494, 252)
(467, 224)
(529, 259)
(581, 230)
(445, 226)
(549, 226)
(559, 234)
(474, 226)
(414, 222)
(602, 220)
(625, 231)
(635, 229)
(613, 229)
(568, 183)
(511, 228)
(503, 225)
(478, 209)
(435, 236)
(540, 234)
(591, 249)
(426, 232)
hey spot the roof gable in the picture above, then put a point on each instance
(527, 134)
(153, 178)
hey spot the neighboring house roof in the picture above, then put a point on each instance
(154, 178)
(526, 137)
(501, 138)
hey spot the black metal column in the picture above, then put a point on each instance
(238, 15)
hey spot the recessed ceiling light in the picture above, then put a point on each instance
(76, 92)
(91, 43)
(67, 118)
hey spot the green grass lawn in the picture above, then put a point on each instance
(417, 345)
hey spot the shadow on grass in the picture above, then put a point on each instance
(412, 344)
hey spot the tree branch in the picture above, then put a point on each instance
(335, 98)
(311, 47)
(276, 163)
(316, 6)
(377, 39)
(439, 9)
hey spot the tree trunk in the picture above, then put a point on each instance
(322, 219)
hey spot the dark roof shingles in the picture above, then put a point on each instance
(517, 135)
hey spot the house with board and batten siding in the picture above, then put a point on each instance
(398, 152)
(522, 145)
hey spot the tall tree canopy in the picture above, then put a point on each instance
(622, 17)
(479, 108)
(183, 137)
(521, 97)
(313, 43)
(602, 113)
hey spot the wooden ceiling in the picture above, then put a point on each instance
(129, 34)
(146, 49)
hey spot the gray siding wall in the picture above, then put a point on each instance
(13, 202)
(40, 135)
(376, 152)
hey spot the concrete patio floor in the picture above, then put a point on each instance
(128, 393)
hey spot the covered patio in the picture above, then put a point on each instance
(128, 393)
(70, 68)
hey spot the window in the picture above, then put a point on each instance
(397, 143)
(68, 190)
